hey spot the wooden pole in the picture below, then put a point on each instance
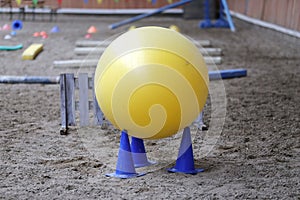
(29, 79)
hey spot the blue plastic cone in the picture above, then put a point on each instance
(55, 29)
(125, 167)
(139, 153)
(17, 25)
(185, 159)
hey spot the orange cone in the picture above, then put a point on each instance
(42, 33)
(45, 36)
(88, 36)
(92, 29)
(36, 34)
(6, 27)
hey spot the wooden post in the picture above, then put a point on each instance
(67, 103)
(98, 115)
(83, 99)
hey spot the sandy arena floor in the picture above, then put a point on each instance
(255, 157)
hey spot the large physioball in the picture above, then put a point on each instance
(152, 82)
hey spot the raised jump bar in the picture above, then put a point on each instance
(75, 63)
(91, 43)
(213, 75)
(226, 74)
(100, 50)
(93, 63)
(29, 79)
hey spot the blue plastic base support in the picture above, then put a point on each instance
(193, 172)
(225, 20)
(185, 160)
(206, 24)
(221, 23)
(125, 176)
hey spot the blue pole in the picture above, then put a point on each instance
(138, 17)
(226, 10)
(206, 23)
(206, 10)
(225, 74)
(222, 22)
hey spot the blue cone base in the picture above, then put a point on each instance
(193, 172)
(185, 159)
(125, 176)
(205, 24)
(221, 23)
(148, 163)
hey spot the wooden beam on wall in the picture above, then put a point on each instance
(284, 13)
(255, 9)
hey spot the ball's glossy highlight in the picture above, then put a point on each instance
(152, 82)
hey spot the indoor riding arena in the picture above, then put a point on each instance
(150, 99)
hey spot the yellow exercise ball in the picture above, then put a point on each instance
(175, 28)
(131, 28)
(152, 82)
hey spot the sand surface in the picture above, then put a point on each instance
(254, 155)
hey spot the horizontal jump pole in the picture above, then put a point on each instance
(95, 43)
(213, 60)
(213, 75)
(226, 74)
(75, 63)
(92, 43)
(94, 62)
(29, 79)
(100, 50)
(89, 50)
(139, 17)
